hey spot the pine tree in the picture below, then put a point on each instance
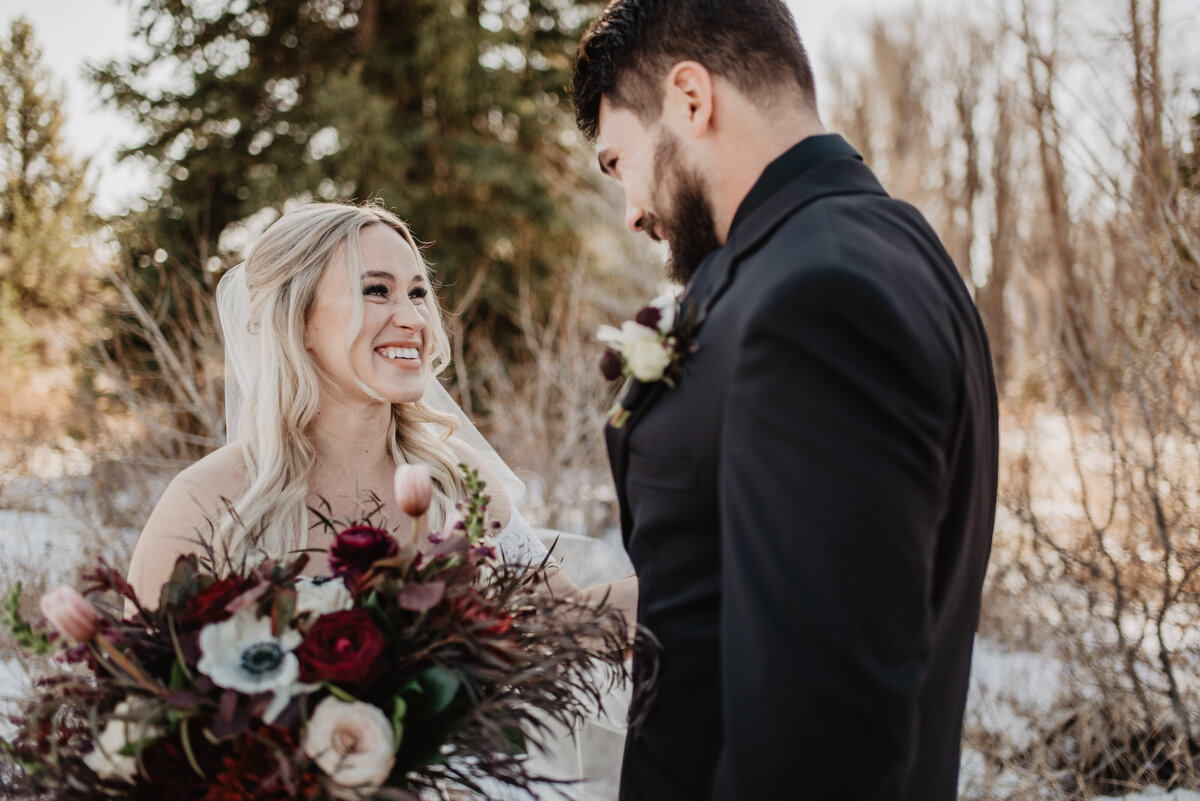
(451, 113)
(44, 217)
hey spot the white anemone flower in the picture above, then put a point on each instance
(322, 596)
(242, 654)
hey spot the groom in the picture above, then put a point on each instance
(810, 506)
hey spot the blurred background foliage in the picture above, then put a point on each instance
(451, 113)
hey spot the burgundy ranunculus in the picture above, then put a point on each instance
(208, 605)
(356, 549)
(341, 647)
(612, 365)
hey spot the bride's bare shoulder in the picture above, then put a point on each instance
(222, 472)
(190, 508)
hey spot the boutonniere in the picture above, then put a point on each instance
(649, 348)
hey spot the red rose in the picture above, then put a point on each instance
(356, 549)
(342, 647)
(208, 605)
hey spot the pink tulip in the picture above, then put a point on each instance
(414, 489)
(71, 615)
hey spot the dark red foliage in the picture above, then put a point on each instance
(257, 768)
(208, 606)
(485, 618)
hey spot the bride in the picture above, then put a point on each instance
(333, 341)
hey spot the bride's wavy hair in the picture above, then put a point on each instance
(283, 270)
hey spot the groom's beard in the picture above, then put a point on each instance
(689, 228)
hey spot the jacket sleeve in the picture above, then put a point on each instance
(832, 479)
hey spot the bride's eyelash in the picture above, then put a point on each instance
(418, 292)
(376, 289)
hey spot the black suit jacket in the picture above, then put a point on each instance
(810, 508)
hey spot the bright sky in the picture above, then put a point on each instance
(74, 32)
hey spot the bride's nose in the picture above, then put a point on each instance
(405, 314)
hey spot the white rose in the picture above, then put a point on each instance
(122, 729)
(352, 742)
(666, 307)
(647, 358)
(323, 597)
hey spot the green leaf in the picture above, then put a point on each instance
(338, 692)
(179, 678)
(398, 712)
(516, 740)
(26, 636)
(439, 686)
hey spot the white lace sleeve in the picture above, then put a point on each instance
(517, 544)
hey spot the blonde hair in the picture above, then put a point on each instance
(283, 270)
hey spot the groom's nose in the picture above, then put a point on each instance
(635, 218)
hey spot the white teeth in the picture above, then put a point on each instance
(400, 353)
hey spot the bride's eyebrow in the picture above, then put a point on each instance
(378, 274)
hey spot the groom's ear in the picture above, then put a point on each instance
(688, 101)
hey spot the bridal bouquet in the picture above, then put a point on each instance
(401, 671)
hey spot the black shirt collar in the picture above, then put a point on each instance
(801, 157)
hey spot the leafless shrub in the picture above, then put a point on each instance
(163, 366)
(546, 412)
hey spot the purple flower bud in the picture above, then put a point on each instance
(612, 365)
(648, 317)
(482, 552)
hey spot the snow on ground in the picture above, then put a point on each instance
(1007, 690)
(14, 684)
(1154, 794)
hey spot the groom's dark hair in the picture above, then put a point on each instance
(633, 44)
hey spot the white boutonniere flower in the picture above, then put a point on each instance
(648, 348)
